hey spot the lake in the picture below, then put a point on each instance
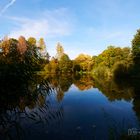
(75, 108)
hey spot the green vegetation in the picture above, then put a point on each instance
(114, 62)
(20, 58)
(28, 75)
(23, 58)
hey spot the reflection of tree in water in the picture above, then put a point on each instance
(60, 83)
(136, 99)
(84, 82)
(118, 89)
(115, 90)
(134, 85)
(25, 105)
(65, 82)
(136, 106)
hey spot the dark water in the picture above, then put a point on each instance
(75, 108)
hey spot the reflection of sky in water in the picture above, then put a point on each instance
(88, 111)
(84, 114)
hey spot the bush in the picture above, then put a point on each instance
(101, 72)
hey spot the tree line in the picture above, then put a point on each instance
(24, 57)
(117, 62)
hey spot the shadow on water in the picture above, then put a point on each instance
(30, 108)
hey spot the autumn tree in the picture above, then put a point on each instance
(84, 61)
(19, 57)
(5, 46)
(60, 51)
(9, 52)
(32, 41)
(42, 49)
(22, 45)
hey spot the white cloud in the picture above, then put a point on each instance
(50, 24)
(7, 6)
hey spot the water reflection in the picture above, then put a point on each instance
(84, 82)
(23, 105)
(36, 107)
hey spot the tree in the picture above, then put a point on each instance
(22, 45)
(53, 65)
(41, 44)
(65, 64)
(4, 45)
(84, 61)
(42, 47)
(136, 47)
(60, 51)
(9, 53)
(19, 57)
(112, 55)
(32, 41)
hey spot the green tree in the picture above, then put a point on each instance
(53, 65)
(65, 64)
(112, 55)
(32, 41)
(136, 47)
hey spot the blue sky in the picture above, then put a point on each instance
(81, 26)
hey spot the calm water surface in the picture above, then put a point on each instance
(76, 109)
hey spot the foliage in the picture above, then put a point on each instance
(19, 57)
(65, 64)
(41, 44)
(83, 62)
(32, 41)
(60, 51)
(59, 64)
(52, 66)
(22, 45)
(121, 70)
(136, 47)
(101, 72)
(107, 63)
(112, 55)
